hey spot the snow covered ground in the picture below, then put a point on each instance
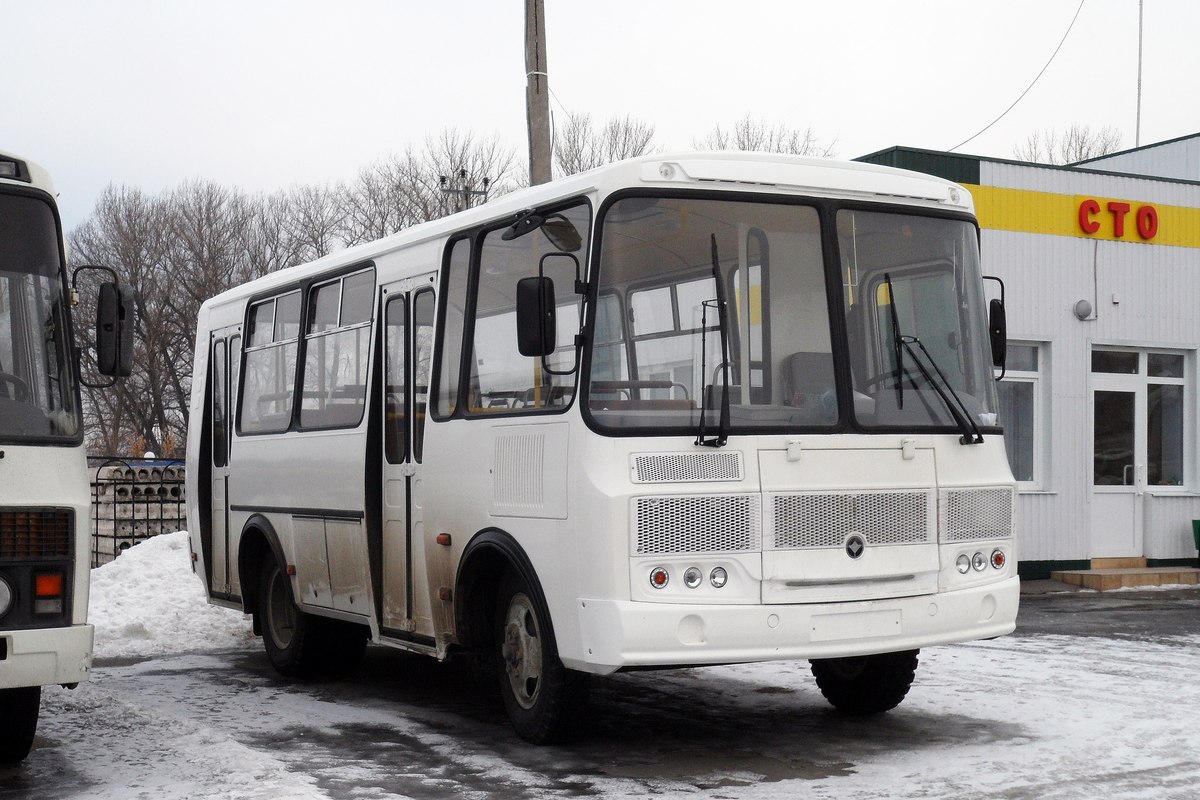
(182, 704)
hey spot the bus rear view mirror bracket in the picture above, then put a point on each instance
(115, 323)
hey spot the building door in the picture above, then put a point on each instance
(1139, 440)
(1118, 469)
(408, 308)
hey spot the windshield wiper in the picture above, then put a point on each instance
(957, 408)
(897, 345)
(722, 436)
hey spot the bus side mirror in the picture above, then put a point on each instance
(536, 324)
(114, 330)
(998, 332)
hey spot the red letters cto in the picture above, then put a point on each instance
(1091, 214)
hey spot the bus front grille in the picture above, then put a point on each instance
(825, 519)
(971, 515)
(679, 524)
(35, 532)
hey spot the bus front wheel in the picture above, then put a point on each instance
(866, 684)
(301, 645)
(543, 698)
(19, 712)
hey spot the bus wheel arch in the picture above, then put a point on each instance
(504, 619)
(259, 542)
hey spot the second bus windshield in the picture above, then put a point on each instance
(659, 357)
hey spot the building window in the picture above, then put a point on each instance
(1021, 395)
(1164, 419)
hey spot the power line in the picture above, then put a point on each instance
(1031, 85)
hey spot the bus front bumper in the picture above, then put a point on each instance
(621, 634)
(45, 656)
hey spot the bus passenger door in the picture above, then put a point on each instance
(223, 363)
(408, 347)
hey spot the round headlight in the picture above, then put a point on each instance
(998, 559)
(963, 563)
(6, 597)
(979, 562)
(718, 577)
(692, 577)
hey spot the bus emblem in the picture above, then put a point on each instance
(855, 546)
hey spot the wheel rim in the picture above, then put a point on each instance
(521, 651)
(281, 612)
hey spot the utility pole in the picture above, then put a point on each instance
(1137, 134)
(461, 190)
(537, 92)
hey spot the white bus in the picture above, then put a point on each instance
(45, 531)
(681, 410)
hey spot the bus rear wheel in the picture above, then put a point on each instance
(19, 712)
(301, 645)
(544, 699)
(863, 685)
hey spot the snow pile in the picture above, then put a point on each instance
(148, 602)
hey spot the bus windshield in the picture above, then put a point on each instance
(718, 313)
(37, 390)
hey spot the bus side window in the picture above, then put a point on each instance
(269, 385)
(395, 429)
(503, 380)
(336, 352)
(454, 303)
(422, 362)
(220, 411)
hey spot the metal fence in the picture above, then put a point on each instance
(132, 500)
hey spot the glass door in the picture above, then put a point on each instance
(1118, 454)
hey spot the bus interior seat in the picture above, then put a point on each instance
(807, 377)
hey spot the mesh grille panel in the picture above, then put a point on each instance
(35, 533)
(710, 524)
(825, 520)
(969, 515)
(682, 467)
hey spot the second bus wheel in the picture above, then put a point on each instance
(543, 698)
(866, 684)
(18, 722)
(301, 645)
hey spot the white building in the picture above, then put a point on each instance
(1101, 264)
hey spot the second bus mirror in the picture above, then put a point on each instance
(114, 330)
(536, 324)
(998, 332)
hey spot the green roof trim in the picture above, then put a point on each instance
(952, 167)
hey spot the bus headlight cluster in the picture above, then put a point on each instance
(6, 597)
(692, 577)
(979, 562)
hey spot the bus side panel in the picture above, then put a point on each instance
(306, 483)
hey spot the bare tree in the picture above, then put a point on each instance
(180, 247)
(407, 189)
(755, 135)
(1077, 143)
(579, 146)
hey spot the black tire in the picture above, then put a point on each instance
(301, 645)
(18, 722)
(545, 701)
(866, 684)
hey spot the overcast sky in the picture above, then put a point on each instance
(265, 94)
